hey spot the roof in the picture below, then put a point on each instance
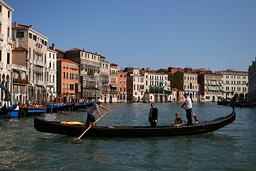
(66, 60)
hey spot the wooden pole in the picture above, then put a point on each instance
(91, 126)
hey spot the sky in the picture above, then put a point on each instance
(211, 34)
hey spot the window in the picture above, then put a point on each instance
(20, 34)
(0, 55)
(8, 58)
(8, 32)
(30, 35)
(72, 87)
(34, 37)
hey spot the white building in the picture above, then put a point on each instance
(147, 86)
(5, 48)
(51, 73)
(158, 86)
(234, 83)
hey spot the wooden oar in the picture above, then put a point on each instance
(91, 126)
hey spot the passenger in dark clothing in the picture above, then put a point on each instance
(153, 115)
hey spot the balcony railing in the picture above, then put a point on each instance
(19, 67)
(21, 81)
(39, 63)
(41, 83)
(113, 92)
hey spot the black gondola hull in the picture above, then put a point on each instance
(132, 131)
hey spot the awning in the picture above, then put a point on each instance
(3, 87)
(113, 85)
(213, 83)
(39, 54)
(213, 88)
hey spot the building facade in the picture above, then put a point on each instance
(6, 51)
(210, 86)
(51, 74)
(20, 78)
(186, 81)
(90, 64)
(234, 84)
(113, 82)
(122, 87)
(68, 79)
(104, 80)
(36, 45)
(157, 86)
(252, 82)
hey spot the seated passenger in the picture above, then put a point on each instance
(178, 121)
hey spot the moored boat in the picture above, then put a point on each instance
(32, 110)
(9, 111)
(58, 127)
(78, 106)
(55, 107)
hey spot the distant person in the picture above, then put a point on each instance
(187, 105)
(92, 110)
(153, 115)
(178, 121)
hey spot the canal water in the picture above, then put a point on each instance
(230, 148)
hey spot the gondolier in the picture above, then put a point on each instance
(187, 105)
(92, 110)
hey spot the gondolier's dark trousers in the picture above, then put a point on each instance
(90, 120)
(189, 116)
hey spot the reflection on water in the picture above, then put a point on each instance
(230, 148)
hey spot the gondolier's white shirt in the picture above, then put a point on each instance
(188, 103)
(92, 110)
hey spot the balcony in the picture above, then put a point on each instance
(50, 84)
(19, 67)
(39, 63)
(9, 67)
(83, 72)
(113, 92)
(40, 83)
(21, 81)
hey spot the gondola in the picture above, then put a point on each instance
(57, 127)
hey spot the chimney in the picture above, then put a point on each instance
(53, 46)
